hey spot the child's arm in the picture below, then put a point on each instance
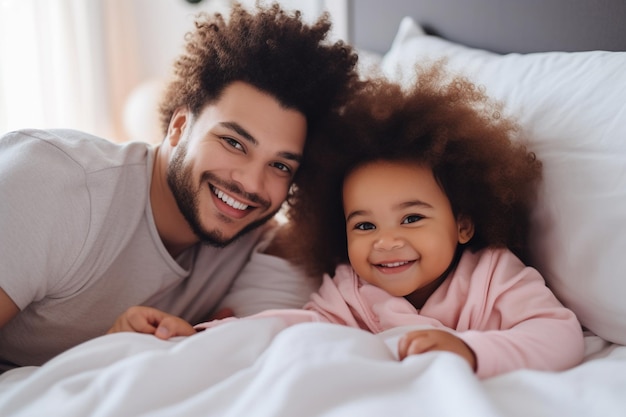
(513, 320)
(142, 319)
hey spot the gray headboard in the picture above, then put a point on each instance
(496, 25)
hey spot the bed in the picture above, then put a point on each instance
(559, 66)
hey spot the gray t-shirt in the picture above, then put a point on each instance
(78, 245)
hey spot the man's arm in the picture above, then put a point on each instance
(8, 308)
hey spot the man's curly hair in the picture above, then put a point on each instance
(443, 122)
(272, 50)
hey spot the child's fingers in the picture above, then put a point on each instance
(413, 343)
(422, 341)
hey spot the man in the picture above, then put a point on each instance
(89, 228)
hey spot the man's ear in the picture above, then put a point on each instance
(177, 125)
(465, 226)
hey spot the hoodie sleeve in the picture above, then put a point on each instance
(330, 302)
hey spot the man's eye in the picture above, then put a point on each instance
(412, 218)
(365, 226)
(232, 142)
(281, 167)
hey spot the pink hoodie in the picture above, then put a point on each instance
(499, 307)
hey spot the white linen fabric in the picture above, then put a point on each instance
(571, 108)
(264, 368)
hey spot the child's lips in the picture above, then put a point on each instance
(394, 267)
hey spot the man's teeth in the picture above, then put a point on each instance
(394, 264)
(230, 201)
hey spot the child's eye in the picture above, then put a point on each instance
(364, 226)
(233, 143)
(412, 218)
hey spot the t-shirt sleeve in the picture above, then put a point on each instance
(43, 216)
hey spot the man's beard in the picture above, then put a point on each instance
(180, 181)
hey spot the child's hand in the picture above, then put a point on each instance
(420, 341)
(149, 320)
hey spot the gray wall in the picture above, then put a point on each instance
(497, 25)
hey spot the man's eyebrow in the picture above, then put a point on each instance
(291, 156)
(240, 131)
(247, 136)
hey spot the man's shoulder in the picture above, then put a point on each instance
(81, 149)
(59, 138)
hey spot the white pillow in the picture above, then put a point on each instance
(369, 63)
(572, 107)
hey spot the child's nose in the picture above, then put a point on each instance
(388, 242)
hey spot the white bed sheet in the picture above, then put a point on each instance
(263, 368)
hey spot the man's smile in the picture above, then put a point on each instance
(229, 200)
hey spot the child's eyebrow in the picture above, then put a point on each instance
(356, 213)
(401, 206)
(414, 203)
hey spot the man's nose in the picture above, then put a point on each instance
(250, 177)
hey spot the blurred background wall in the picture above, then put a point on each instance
(99, 65)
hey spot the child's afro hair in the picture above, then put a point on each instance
(444, 122)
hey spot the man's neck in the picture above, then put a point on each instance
(171, 225)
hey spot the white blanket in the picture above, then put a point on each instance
(260, 368)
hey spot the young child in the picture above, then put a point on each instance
(423, 210)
